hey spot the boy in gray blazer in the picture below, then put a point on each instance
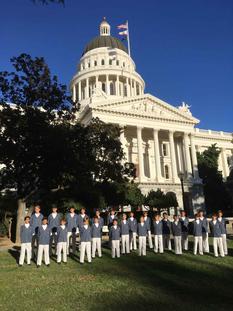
(142, 234)
(26, 232)
(185, 229)
(96, 234)
(62, 241)
(81, 217)
(205, 233)
(147, 221)
(124, 235)
(72, 229)
(158, 234)
(101, 220)
(35, 222)
(216, 233)
(197, 234)
(166, 232)
(133, 226)
(222, 222)
(44, 233)
(111, 217)
(177, 232)
(53, 222)
(85, 241)
(114, 236)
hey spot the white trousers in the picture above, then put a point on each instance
(158, 247)
(178, 245)
(115, 248)
(25, 248)
(198, 243)
(167, 241)
(125, 244)
(85, 248)
(185, 240)
(224, 243)
(205, 242)
(133, 240)
(62, 248)
(142, 245)
(43, 249)
(150, 239)
(96, 245)
(217, 244)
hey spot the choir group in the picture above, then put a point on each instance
(39, 233)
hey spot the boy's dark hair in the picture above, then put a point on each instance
(114, 220)
(44, 218)
(26, 217)
(175, 215)
(62, 219)
(215, 215)
(196, 215)
(165, 213)
(220, 211)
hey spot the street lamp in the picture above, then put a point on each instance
(181, 176)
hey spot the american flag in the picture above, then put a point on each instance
(122, 26)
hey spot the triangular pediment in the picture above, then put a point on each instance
(148, 106)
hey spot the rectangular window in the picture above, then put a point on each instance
(165, 150)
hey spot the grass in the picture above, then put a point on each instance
(156, 282)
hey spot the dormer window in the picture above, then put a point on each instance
(102, 62)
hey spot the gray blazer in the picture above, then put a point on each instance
(110, 220)
(36, 222)
(124, 228)
(148, 223)
(223, 225)
(96, 232)
(54, 222)
(72, 222)
(142, 230)
(197, 228)
(44, 235)
(184, 224)
(158, 228)
(26, 234)
(85, 234)
(215, 229)
(62, 234)
(115, 234)
(133, 225)
(204, 222)
(176, 228)
(80, 220)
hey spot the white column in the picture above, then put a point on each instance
(74, 93)
(87, 88)
(128, 87)
(140, 153)
(157, 155)
(173, 156)
(96, 81)
(107, 85)
(224, 163)
(117, 86)
(79, 91)
(194, 159)
(187, 156)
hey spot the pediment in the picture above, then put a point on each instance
(148, 106)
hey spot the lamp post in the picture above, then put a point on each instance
(181, 176)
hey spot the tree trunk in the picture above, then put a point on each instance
(20, 218)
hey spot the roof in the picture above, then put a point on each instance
(104, 41)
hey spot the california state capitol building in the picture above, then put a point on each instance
(161, 140)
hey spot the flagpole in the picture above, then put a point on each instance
(128, 40)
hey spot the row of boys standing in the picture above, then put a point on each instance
(42, 231)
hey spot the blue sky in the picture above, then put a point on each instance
(182, 48)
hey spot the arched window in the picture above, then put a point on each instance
(102, 62)
(89, 65)
(123, 64)
(95, 63)
(103, 87)
(112, 89)
(137, 89)
(166, 172)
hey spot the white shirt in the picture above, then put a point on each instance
(164, 219)
(63, 227)
(44, 226)
(115, 227)
(27, 225)
(124, 221)
(197, 221)
(72, 214)
(176, 222)
(183, 218)
(157, 221)
(112, 216)
(142, 224)
(97, 225)
(85, 226)
(54, 215)
(201, 218)
(37, 215)
(82, 215)
(145, 217)
(220, 219)
(214, 222)
(131, 218)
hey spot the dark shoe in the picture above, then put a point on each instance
(59, 263)
(48, 265)
(20, 266)
(38, 266)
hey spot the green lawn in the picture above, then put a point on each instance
(156, 282)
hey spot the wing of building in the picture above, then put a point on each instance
(160, 139)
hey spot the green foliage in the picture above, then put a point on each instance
(161, 200)
(216, 196)
(134, 195)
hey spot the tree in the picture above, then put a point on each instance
(216, 196)
(134, 195)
